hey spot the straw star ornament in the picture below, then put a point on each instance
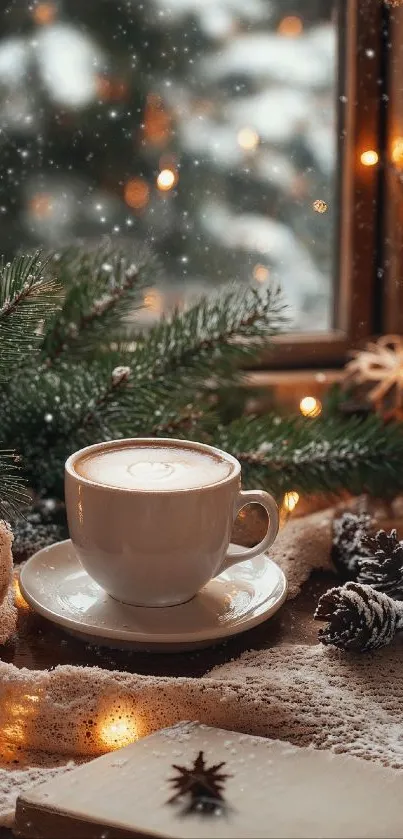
(380, 366)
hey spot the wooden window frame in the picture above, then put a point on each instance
(392, 231)
(361, 104)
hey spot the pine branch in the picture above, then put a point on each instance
(317, 455)
(102, 287)
(210, 339)
(27, 298)
(12, 492)
(70, 406)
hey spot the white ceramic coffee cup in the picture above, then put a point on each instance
(159, 548)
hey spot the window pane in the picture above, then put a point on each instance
(206, 128)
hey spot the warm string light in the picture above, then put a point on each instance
(248, 139)
(261, 273)
(18, 717)
(290, 500)
(153, 301)
(117, 730)
(310, 406)
(290, 26)
(166, 180)
(18, 598)
(369, 157)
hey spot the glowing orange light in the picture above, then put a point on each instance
(157, 121)
(40, 205)
(153, 301)
(310, 406)
(261, 273)
(320, 206)
(397, 151)
(248, 139)
(166, 180)
(118, 730)
(44, 13)
(110, 89)
(137, 193)
(18, 598)
(290, 26)
(369, 157)
(290, 500)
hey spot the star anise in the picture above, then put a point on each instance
(200, 785)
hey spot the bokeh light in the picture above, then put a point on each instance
(44, 13)
(117, 730)
(40, 205)
(290, 500)
(18, 598)
(290, 26)
(369, 157)
(166, 180)
(320, 206)
(248, 139)
(260, 273)
(153, 301)
(137, 193)
(310, 406)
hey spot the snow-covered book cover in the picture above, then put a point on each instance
(195, 781)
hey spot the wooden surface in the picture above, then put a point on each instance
(40, 645)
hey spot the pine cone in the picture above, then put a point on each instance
(360, 618)
(382, 568)
(349, 532)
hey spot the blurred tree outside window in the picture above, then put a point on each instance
(205, 128)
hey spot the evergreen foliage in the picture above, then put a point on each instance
(77, 375)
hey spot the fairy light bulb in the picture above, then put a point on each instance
(118, 730)
(18, 598)
(290, 500)
(290, 26)
(260, 273)
(166, 180)
(369, 157)
(310, 406)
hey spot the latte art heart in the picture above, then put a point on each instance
(152, 471)
(159, 468)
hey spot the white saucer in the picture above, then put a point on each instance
(54, 583)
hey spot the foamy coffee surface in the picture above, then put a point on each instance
(153, 468)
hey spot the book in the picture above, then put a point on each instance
(273, 790)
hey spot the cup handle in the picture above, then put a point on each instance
(237, 554)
